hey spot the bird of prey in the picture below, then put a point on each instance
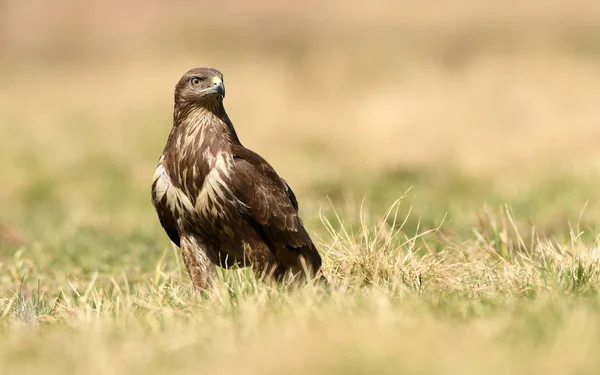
(220, 202)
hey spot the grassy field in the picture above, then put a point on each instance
(445, 157)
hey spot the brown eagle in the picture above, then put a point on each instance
(220, 202)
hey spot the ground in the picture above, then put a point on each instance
(444, 156)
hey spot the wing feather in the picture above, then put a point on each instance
(165, 215)
(268, 200)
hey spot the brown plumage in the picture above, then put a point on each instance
(220, 202)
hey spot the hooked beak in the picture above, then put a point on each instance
(218, 86)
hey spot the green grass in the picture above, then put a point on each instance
(416, 294)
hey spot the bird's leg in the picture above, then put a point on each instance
(198, 262)
(259, 257)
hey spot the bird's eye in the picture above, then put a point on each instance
(195, 81)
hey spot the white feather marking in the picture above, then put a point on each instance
(176, 199)
(184, 175)
(215, 186)
(162, 183)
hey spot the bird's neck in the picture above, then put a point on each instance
(204, 121)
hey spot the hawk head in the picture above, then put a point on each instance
(200, 87)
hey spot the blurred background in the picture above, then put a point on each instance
(469, 103)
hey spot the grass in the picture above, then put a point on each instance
(399, 302)
(492, 304)
(446, 164)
